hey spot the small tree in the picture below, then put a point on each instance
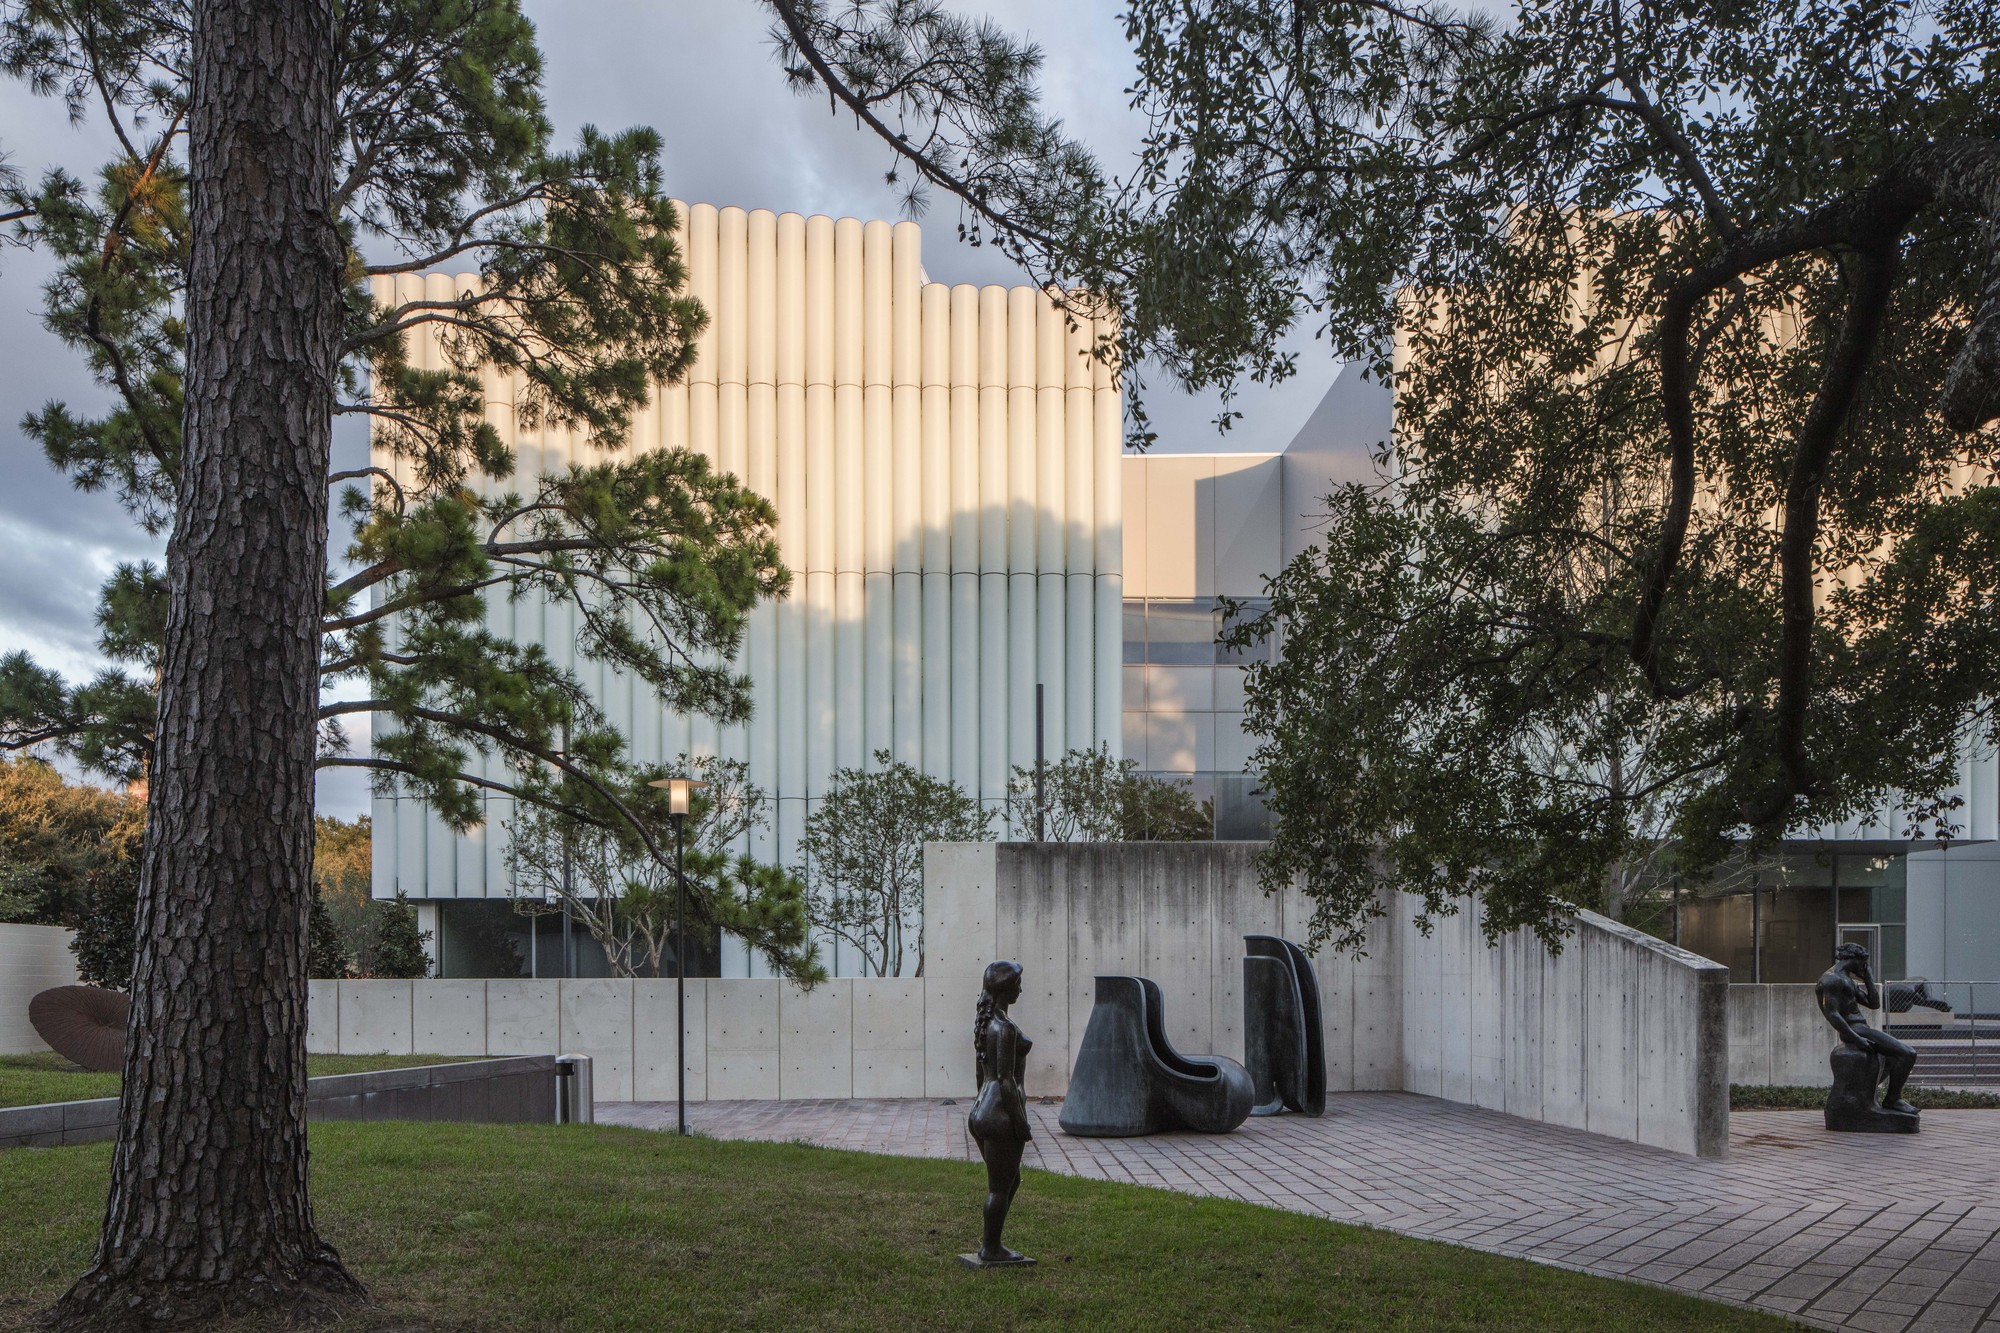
(105, 925)
(399, 945)
(1087, 796)
(624, 894)
(327, 954)
(1156, 809)
(863, 851)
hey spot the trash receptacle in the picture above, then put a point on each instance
(574, 1101)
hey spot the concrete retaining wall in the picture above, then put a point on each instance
(32, 959)
(1777, 1037)
(752, 1038)
(1619, 1034)
(516, 1091)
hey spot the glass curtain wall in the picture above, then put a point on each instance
(488, 937)
(1184, 706)
(1778, 919)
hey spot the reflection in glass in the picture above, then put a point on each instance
(1181, 633)
(1135, 631)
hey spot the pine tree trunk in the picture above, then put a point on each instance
(208, 1212)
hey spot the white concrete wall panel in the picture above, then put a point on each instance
(1609, 1033)
(1423, 1009)
(1374, 977)
(522, 1017)
(656, 1039)
(1777, 1037)
(1487, 984)
(448, 1017)
(1241, 907)
(1523, 1018)
(597, 1022)
(376, 1018)
(1033, 929)
(743, 1040)
(1664, 1097)
(1563, 1053)
(32, 959)
(1178, 922)
(889, 1036)
(961, 936)
(816, 1040)
(322, 1018)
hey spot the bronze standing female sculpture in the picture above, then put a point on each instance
(999, 1119)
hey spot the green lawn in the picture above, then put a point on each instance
(520, 1227)
(31, 1080)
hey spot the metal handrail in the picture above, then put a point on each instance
(1954, 1026)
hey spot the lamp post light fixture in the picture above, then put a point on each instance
(680, 797)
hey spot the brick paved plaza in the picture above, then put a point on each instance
(1843, 1231)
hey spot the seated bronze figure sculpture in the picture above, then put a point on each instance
(1864, 1053)
(999, 1119)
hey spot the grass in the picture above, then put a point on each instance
(532, 1227)
(1756, 1097)
(32, 1080)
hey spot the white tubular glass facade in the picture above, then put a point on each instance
(945, 466)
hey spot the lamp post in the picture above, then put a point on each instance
(680, 795)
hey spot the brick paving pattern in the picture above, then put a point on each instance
(1889, 1234)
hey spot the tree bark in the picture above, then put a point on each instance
(208, 1213)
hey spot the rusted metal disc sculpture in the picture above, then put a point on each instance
(85, 1025)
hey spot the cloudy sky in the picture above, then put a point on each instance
(701, 72)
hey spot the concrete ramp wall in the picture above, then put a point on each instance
(1619, 1033)
(32, 959)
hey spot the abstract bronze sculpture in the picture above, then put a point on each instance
(1284, 1046)
(999, 1119)
(1859, 1061)
(1130, 1080)
(83, 1024)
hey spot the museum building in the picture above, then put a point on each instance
(964, 526)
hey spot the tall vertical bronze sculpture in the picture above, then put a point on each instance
(1284, 1045)
(1864, 1053)
(999, 1119)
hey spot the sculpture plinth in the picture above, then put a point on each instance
(1850, 1106)
(1009, 1261)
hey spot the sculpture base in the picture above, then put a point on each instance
(974, 1261)
(1850, 1105)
